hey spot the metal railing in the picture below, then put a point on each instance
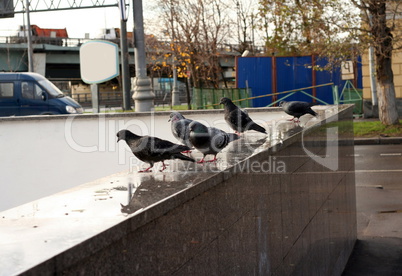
(301, 90)
(288, 92)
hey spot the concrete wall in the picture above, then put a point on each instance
(396, 68)
(45, 155)
(241, 221)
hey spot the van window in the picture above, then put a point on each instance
(31, 91)
(6, 90)
(51, 88)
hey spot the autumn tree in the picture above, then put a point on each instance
(158, 57)
(337, 29)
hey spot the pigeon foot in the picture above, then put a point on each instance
(146, 170)
(207, 161)
(295, 120)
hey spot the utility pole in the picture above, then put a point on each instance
(125, 70)
(143, 95)
(29, 38)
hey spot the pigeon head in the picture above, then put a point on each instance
(197, 127)
(175, 116)
(225, 101)
(125, 134)
(282, 103)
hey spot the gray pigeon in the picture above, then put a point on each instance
(238, 120)
(209, 140)
(152, 149)
(179, 127)
(297, 109)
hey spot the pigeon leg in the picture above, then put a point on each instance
(163, 166)
(213, 160)
(186, 151)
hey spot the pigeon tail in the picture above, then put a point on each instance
(182, 157)
(258, 128)
(312, 112)
(233, 137)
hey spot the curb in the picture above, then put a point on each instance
(378, 141)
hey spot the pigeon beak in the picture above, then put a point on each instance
(169, 119)
(118, 139)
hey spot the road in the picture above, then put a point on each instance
(378, 250)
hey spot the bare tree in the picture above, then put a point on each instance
(246, 14)
(195, 29)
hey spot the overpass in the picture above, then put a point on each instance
(61, 62)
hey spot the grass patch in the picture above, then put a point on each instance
(366, 129)
(168, 108)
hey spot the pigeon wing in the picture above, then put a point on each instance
(237, 119)
(159, 146)
(300, 108)
(181, 131)
(220, 139)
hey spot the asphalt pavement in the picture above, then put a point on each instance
(378, 250)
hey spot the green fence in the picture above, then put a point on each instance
(208, 98)
(351, 95)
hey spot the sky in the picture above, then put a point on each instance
(91, 21)
(78, 22)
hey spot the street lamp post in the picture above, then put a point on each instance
(175, 89)
(143, 95)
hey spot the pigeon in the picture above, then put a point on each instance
(152, 149)
(180, 128)
(297, 109)
(209, 140)
(238, 120)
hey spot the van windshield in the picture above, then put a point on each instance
(51, 88)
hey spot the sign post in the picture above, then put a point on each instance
(99, 62)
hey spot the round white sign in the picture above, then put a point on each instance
(99, 61)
